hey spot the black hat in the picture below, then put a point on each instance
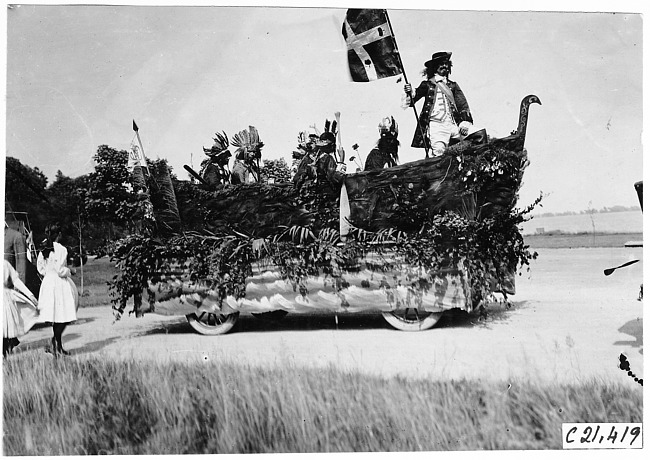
(328, 137)
(437, 58)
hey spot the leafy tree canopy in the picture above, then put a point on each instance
(25, 192)
(110, 197)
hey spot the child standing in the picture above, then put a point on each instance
(58, 297)
(20, 309)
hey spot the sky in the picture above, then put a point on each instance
(78, 75)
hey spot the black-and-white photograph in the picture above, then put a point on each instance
(241, 228)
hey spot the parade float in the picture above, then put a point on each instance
(410, 242)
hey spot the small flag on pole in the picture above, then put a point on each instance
(136, 158)
(372, 52)
(136, 155)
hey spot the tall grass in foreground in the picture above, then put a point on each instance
(87, 406)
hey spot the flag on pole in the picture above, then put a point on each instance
(372, 51)
(136, 155)
(136, 158)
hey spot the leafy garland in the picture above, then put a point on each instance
(490, 249)
(476, 172)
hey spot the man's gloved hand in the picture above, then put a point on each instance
(407, 98)
(464, 127)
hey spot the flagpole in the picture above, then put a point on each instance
(399, 58)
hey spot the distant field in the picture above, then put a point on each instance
(581, 240)
(600, 222)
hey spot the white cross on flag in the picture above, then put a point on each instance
(372, 53)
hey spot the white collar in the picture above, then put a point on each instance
(439, 78)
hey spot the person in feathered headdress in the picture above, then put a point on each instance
(319, 164)
(214, 169)
(247, 156)
(385, 152)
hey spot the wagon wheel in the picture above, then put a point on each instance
(207, 323)
(411, 319)
(275, 315)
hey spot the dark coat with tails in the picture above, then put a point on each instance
(427, 90)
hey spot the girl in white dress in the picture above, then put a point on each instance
(20, 309)
(58, 297)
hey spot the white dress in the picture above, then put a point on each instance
(20, 312)
(58, 298)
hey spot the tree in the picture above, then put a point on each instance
(68, 197)
(25, 192)
(110, 198)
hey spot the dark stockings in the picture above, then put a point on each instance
(57, 344)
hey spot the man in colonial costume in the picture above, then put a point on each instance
(445, 115)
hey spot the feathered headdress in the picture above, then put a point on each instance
(248, 140)
(388, 125)
(303, 138)
(329, 134)
(220, 144)
(219, 152)
(330, 126)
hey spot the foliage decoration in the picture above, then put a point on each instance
(275, 171)
(474, 227)
(220, 263)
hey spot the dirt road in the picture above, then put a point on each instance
(569, 323)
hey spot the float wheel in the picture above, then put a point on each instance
(411, 319)
(207, 323)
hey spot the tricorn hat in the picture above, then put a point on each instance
(437, 58)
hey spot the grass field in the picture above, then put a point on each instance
(96, 274)
(84, 406)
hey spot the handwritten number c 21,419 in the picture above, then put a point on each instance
(601, 435)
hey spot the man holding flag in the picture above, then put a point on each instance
(445, 111)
